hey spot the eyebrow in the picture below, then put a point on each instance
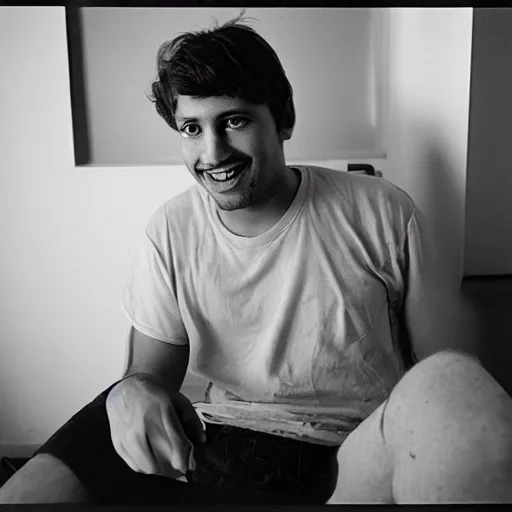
(227, 113)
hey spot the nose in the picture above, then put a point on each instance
(215, 149)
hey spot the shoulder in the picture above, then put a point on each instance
(177, 213)
(367, 195)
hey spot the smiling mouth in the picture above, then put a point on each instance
(224, 180)
(223, 176)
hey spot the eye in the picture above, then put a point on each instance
(190, 130)
(237, 122)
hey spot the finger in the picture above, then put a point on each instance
(139, 454)
(161, 448)
(131, 454)
(180, 444)
(165, 465)
(121, 452)
(128, 459)
(190, 420)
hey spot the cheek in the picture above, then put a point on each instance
(266, 152)
(251, 142)
(188, 154)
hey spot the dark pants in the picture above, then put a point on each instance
(234, 466)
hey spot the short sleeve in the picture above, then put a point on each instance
(150, 297)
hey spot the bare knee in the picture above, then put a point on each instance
(449, 380)
(44, 479)
(364, 466)
(448, 425)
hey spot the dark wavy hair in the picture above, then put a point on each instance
(229, 60)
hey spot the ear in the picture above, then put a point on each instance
(286, 134)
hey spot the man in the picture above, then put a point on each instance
(303, 295)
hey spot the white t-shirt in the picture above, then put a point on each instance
(299, 329)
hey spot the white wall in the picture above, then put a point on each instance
(489, 190)
(426, 137)
(68, 233)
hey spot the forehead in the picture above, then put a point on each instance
(213, 106)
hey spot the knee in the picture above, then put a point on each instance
(447, 358)
(449, 389)
(448, 428)
(447, 372)
(44, 479)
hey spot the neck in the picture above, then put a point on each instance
(257, 219)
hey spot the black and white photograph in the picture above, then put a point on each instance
(255, 255)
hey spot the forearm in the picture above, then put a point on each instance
(446, 322)
(171, 381)
(163, 363)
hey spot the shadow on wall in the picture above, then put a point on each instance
(77, 83)
(446, 203)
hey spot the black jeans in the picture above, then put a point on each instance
(235, 466)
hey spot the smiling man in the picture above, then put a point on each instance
(232, 149)
(308, 298)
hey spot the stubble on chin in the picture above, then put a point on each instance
(243, 199)
(238, 203)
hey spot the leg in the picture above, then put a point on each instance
(448, 425)
(79, 464)
(365, 472)
(55, 474)
(44, 479)
(443, 436)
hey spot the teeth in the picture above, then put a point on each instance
(222, 176)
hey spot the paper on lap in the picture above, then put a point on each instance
(320, 425)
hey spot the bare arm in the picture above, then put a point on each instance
(437, 315)
(163, 362)
(153, 427)
(441, 319)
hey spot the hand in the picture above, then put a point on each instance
(153, 431)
